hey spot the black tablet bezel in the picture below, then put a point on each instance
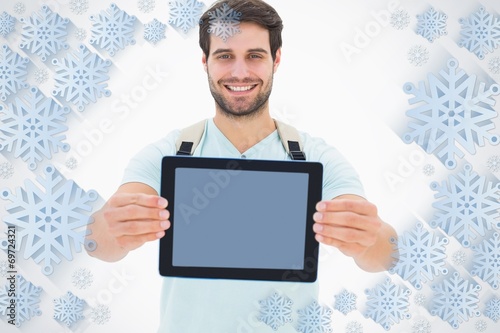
(309, 271)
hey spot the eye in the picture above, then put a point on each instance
(255, 56)
(224, 56)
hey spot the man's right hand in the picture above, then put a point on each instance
(134, 215)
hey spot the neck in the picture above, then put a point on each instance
(245, 132)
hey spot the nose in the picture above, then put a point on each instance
(240, 69)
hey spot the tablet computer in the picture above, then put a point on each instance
(240, 218)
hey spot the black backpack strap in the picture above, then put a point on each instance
(290, 139)
(189, 138)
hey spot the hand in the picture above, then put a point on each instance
(350, 224)
(126, 222)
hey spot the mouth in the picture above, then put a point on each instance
(240, 88)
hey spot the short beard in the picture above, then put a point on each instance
(255, 109)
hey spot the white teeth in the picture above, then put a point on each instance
(240, 88)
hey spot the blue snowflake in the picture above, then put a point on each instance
(112, 29)
(6, 24)
(354, 327)
(154, 31)
(275, 311)
(431, 24)
(494, 65)
(345, 302)
(456, 300)
(487, 260)
(400, 19)
(185, 14)
(421, 256)
(68, 309)
(224, 22)
(480, 33)
(387, 304)
(82, 278)
(493, 163)
(450, 113)
(493, 309)
(27, 299)
(6, 170)
(418, 55)
(146, 6)
(44, 33)
(468, 205)
(13, 72)
(81, 77)
(79, 6)
(314, 319)
(421, 326)
(32, 127)
(100, 315)
(52, 222)
(481, 326)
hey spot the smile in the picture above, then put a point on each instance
(241, 88)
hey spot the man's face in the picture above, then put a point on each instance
(240, 71)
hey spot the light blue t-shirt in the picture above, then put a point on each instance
(190, 305)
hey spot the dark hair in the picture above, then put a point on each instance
(256, 11)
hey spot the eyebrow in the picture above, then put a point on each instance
(258, 49)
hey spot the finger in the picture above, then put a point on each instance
(136, 212)
(140, 199)
(133, 242)
(362, 207)
(349, 249)
(348, 219)
(136, 228)
(345, 235)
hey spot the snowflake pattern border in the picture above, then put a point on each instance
(82, 278)
(421, 256)
(224, 22)
(400, 19)
(450, 114)
(52, 221)
(432, 24)
(13, 72)
(486, 261)
(314, 318)
(146, 6)
(68, 309)
(418, 55)
(100, 315)
(480, 33)
(492, 310)
(79, 6)
(154, 31)
(32, 127)
(81, 77)
(466, 206)
(387, 304)
(275, 311)
(7, 23)
(112, 29)
(27, 300)
(185, 14)
(44, 33)
(345, 302)
(456, 300)
(6, 170)
(493, 163)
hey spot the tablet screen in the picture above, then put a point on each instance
(254, 219)
(240, 218)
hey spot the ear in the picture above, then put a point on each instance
(277, 60)
(204, 61)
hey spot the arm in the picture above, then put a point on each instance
(135, 214)
(352, 224)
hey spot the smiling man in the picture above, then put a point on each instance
(240, 74)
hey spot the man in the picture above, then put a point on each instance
(240, 75)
